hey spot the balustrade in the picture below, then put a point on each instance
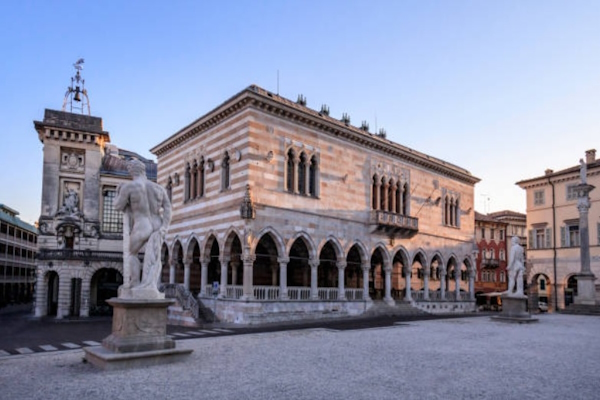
(354, 294)
(328, 293)
(266, 292)
(298, 293)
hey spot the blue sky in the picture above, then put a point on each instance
(504, 89)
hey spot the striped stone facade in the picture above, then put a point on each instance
(297, 214)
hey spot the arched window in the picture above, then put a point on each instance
(390, 195)
(225, 172)
(405, 198)
(446, 211)
(313, 177)
(186, 195)
(302, 174)
(399, 205)
(194, 180)
(201, 178)
(289, 182)
(374, 193)
(456, 213)
(382, 195)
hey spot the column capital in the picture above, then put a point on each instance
(248, 258)
(283, 260)
(341, 264)
(314, 263)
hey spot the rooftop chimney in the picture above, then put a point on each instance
(590, 156)
(548, 171)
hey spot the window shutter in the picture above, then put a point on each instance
(563, 237)
(531, 241)
(548, 238)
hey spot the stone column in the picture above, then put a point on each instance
(186, 274)
(378, 194)
(366, 266)
(41, 294)
(64, 296)
(248, 261)
(426, 272)
(234, 269)
(314, 290)
(172, 271)
(586, 290)
(223, 283)
(341, 265)
(387, 269)
(283, 289)
(472, 273)
(296, 175)
(393, 198)
(407, 269)
(442, 284)
(386, 187)
(203, 278)
(457, 273)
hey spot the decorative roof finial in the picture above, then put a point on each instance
(75, 92)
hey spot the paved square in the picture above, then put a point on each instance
(469, 358)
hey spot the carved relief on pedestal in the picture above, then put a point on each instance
(72, 160)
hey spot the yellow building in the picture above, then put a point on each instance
(553, 248)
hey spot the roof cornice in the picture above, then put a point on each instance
(270, 103)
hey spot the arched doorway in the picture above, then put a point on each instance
(570, 290)
(298, 270)
(265, 264)
(52, 294)
(353, 273)
(327, 271)
(104, 285)
(236, 268)
(377, 276)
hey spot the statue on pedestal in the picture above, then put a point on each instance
(515, 268)
(147, 216)
(583, 171)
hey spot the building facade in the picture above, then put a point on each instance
(80, 243)
(18, 242)
(492, 260)
(553, 244)
(283, 212)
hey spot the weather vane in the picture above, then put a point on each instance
(74, 93)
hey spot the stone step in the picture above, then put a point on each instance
(399, 308)
(582, 309)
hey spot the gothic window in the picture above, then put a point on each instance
(390, 195)
(302, 174)
(112, 220)
(313, 177)
(382, 195)
(290, 178)
(186, 195)
(405, 197)
(194, 193)
(374, 193)
(225, 172)
(201, 178)
(456, 221)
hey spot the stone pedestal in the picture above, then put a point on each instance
(514, 309)
(586, 289)
(138, 338)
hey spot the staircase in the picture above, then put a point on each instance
(187, 310)
(400, 308)
(582, 309)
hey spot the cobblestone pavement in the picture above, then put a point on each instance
(467, 358)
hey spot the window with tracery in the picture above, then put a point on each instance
(389, 195)
(301, 173)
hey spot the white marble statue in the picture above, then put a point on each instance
(147, 216)
(515, 268)
(583, 171)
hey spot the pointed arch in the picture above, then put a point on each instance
(308, 241)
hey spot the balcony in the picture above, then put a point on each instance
(395, 224)
(81, 255)
(491, 263)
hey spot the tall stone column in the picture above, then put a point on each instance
(387, 269)
(407, 269)
(203, 278)
(248, 261)
(457, 273)
(172, 271)
(234, 270)
(41, 293)
(472, 273)
(378, 194)
(186, 274)
(442, 284)
(366, 266)
(223, 283)
(283, 289)
(586, 290)
(426, 272)
(341, 265)
(314, 290)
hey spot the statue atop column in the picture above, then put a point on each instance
(147, 216)
(583, 171)
(516, 267)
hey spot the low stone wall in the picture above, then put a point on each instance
(261, 312)
(445, 307)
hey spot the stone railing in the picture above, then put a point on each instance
(298, 293)
(353, 294)
(395, 221)
(328, 293)
(266, 292)
(187, 300)
(234, 292)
